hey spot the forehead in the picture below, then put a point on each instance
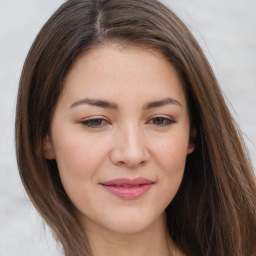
(115, 71)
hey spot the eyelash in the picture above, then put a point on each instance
(167, 121)
(89, 122)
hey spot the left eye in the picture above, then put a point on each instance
(161, 121)
(94, 123)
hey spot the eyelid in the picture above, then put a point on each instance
(94, 117)
(170, 120)
(86, 122)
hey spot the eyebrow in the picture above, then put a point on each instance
(95, 102)
(112, 105)
(160, 103)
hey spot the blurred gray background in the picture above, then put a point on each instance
(226, 30)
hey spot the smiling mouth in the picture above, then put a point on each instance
(128, 188)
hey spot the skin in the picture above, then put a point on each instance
(126, 140)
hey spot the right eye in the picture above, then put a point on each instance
(94, 122)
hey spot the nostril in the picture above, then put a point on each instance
(121, 163)
(136, 164)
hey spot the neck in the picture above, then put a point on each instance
(151, 241)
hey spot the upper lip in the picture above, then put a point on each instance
(127, 182)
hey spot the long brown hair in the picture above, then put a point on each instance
(214, 211)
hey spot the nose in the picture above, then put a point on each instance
(129, 148)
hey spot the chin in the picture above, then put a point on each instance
(131, 223)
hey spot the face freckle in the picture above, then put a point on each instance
(120, 136)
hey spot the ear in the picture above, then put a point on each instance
(48, 148)
(192, 141)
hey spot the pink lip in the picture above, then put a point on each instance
(128, 188)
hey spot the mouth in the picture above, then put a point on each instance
(128, 188)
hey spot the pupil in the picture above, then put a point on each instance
(158, 120)
(96, 122)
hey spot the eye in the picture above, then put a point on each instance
(161, 121)
(95, 122)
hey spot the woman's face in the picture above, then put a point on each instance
(120, 136)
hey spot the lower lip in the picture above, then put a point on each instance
(128, 192)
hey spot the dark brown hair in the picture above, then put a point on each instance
(214, 211)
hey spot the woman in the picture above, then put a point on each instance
(124, 142)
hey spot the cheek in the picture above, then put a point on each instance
(171, 157)
(78, 163)
(172, 153)
(78, 157)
